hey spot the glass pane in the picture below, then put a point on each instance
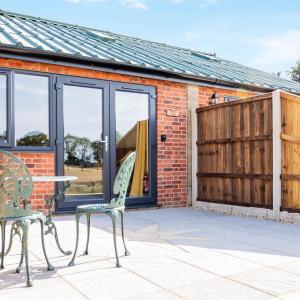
(83, 156)
(3, 107)
(132, 118)
(31, 110)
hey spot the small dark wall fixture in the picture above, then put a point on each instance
(163, 138)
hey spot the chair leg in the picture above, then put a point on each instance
(49, 266)
(88, 219)
(72, 262)
(14, 231)
(127, 253)
(18, 270)
(3, 225)
(25, 228)
(114, 216)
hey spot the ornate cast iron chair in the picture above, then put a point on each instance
(112, 209)
(15, 190)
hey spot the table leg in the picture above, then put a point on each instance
(51, 229)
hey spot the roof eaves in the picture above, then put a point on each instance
(60, 57)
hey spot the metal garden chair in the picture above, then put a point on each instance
(112, 209)
(15, 189)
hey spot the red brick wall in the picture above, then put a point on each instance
(171, 156)
(40, 164)
(205, 94)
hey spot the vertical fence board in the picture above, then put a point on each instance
(290, 160)
(235, 152)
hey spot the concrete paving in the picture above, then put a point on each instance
(175, 254)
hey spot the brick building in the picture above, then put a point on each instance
(76, 101)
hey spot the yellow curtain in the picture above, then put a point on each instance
(141, 161)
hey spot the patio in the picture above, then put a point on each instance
(175, 254)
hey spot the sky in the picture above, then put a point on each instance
(264, 34)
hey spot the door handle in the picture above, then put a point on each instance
(105, 142)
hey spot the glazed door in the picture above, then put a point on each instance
(82, 141)
(133, 128)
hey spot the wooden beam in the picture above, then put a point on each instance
(290, 138)
(235, 175)
(236, 140)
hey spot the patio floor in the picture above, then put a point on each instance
(175, 254)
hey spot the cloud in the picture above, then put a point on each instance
(135, 4)
(282, 49)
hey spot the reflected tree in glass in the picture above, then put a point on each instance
(31, 103)
(83, 156)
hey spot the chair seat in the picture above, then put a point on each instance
(100, 207)
(33, 216)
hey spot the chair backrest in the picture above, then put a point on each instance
(15, 186)
(122, 181)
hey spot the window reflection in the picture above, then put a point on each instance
(83, 154)
(31, 110)
(3, 121)
(132, 119)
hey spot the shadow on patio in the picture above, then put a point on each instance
(175, 254)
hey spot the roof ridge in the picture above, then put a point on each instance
(36, 18)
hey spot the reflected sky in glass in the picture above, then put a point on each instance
(83, 112)
(31, 105)
(130, 108)
(2, 106)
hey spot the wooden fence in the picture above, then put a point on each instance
(235, 152)
(290, 149)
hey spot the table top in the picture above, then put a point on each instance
(53, 178)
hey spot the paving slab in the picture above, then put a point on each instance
(175, 254)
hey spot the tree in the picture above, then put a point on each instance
(97, 147)
(295, 72)
(77, 147)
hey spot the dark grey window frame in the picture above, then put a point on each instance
(50, 113)
(8, 143)
(11, 112)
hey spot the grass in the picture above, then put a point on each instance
(90, 180)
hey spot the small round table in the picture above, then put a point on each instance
(50, 202)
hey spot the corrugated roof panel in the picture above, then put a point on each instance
(40, 34)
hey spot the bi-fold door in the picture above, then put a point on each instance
(98, 124)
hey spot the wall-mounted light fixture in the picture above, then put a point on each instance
(215, 98)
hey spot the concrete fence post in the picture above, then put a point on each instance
(276, 113)
(194, 121)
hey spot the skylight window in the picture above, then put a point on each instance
(98, 34)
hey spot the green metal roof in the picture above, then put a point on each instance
(31, 33)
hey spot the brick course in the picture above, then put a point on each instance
(40, 164)
(171, 155)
